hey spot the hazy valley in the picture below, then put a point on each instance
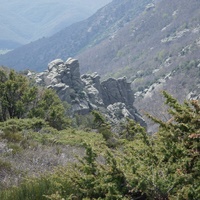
(22, 22)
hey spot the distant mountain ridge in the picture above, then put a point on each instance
(23, 21)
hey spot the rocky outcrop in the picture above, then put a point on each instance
(119, 111)
(84, 93)
(114, 91)
(66, 73)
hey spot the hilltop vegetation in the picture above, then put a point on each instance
(128, 164)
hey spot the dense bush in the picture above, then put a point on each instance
(19, 99)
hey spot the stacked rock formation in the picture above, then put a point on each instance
(84, 93)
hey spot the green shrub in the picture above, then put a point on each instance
(16, 125)
(160, 166)
(29, 190)
(5, 166)
(14, 148)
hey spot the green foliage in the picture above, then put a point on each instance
(84, 122)
(50, 108)
(5, 166)
(91, 180)
(160, 56)
(131, 129)
(179, 148)
(16, 125)
(17, 132)
(98, 118)
(71, 137)
(30, 190)
(104, 128)
(16, 96)
(162, 166)
(18, 99)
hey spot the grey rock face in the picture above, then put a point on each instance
(54, 64)
(92, 88)
(118, 111)
(84, 93)
(114, 91)
(74, 72)
(64, 72)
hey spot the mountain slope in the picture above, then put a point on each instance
(22, 21)
(158, 33)
(76, 37)
(158, 50)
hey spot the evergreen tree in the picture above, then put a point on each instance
(16, 95)
(19, 99)
(50, 108)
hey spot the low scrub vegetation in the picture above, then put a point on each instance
(128, 165)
